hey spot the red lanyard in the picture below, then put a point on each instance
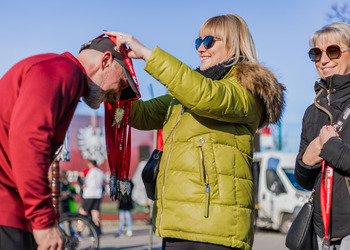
(118, 140)
(124, 51)
(326, 197)
(126, 58)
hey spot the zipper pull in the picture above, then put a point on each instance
(328, 97)
(183, 110)
(206, 209)
(207, 188)
(329, 91)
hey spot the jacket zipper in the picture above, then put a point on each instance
(328, 100)
(329, 92)
(166, 165)
(206, 184)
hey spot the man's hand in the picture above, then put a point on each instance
(51, 238)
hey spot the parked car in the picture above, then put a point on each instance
(278, 197)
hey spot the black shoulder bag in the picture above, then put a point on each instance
(301, 234)
(150, 171)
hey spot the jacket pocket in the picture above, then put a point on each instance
(206, 183)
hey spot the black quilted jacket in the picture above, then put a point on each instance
(332, 97)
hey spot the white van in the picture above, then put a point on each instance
(278, 197)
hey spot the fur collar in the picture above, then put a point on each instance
(258, 80)
(264, 85)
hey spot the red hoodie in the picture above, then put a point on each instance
(38, 97)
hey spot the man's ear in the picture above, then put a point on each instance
(107, 60)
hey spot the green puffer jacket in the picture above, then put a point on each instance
(205, 190)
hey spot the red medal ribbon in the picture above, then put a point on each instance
(118, 139)
(326, 197)
(124, 51)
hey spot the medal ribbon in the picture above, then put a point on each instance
(326, 197)
(124, 51)
(118, 139)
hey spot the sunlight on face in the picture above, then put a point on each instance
(327, 67)
(212, 56)
(106, 86)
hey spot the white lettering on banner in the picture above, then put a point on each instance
(346, 114)
(328, 206)
(329, 174)
(329, 171)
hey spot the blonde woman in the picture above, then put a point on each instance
(321, 141)
(205, 193)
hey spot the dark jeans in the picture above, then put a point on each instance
(13, 239)
(174, 244)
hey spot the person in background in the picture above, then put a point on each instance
(81, 179)
(38, 97)
(67, 194)
(125, 207)
(92, 193)
(320, 140)
(205, 191)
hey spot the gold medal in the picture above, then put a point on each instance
(118, 116)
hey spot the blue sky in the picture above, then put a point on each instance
(280, 29)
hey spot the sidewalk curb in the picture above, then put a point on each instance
(134, 216)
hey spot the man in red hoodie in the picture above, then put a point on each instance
(38, 97)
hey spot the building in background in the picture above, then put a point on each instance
(87, 141)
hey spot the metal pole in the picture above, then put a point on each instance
(279, 136)
(155, 137)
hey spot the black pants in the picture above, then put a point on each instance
(174, 244)
(14, 239)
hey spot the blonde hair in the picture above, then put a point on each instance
(339, 31)
(234, 32)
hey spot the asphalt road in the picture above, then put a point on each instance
(140, 240)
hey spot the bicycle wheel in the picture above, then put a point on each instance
(80, 231)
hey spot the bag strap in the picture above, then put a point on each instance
(312, 196)
(343, 118)
(326, 197)
(172, 130)
(327, 181)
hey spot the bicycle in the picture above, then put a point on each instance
(79, 230)
(88, 238)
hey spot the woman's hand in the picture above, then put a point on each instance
(136, 49)
(326, 133)
(311, 156)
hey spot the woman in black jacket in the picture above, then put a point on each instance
(322, 143)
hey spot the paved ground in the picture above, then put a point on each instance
(141, 239)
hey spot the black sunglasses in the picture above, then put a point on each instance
(332, 51)
(208, 42)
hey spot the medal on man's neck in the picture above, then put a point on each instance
(118, 142)
(118, 116)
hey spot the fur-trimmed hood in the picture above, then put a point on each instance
(263, 84)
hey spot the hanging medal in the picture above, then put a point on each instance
(118, 135)
(118, 116)
(118, 140)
